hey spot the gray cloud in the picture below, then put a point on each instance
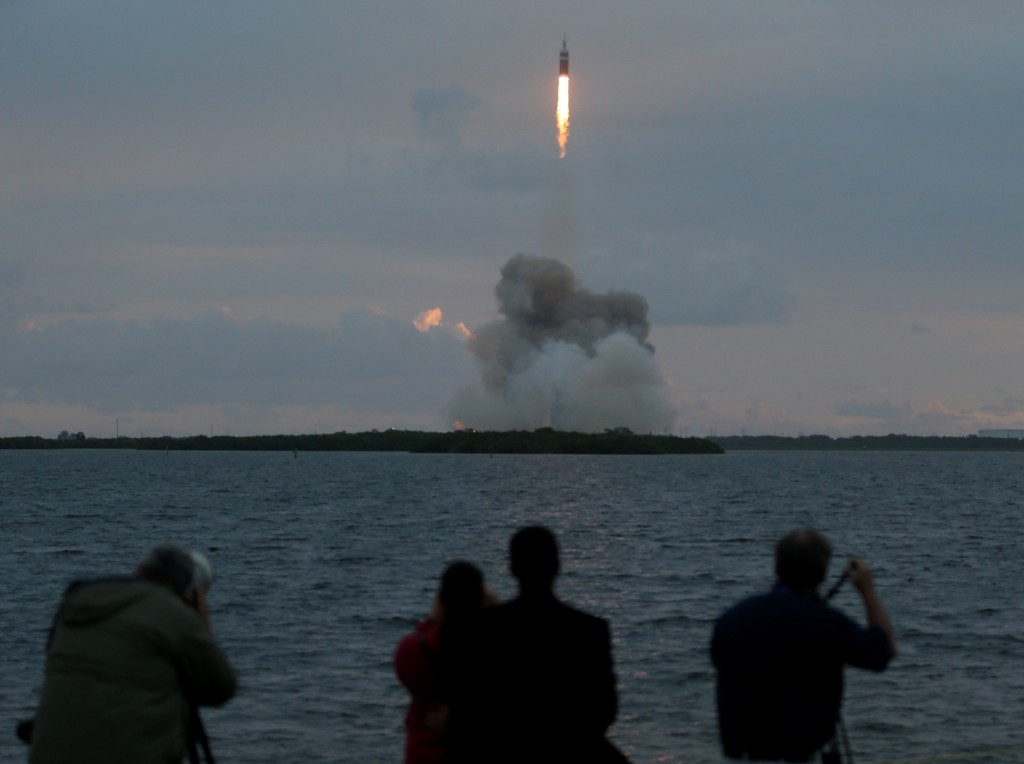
(1005, 407)
(370, 361)
(12, 274)
(727, 287)
(905, 418)
(519, 169)
(563, 356)
(757, 168)
(12, 296)
(441, 113)
(884, 410)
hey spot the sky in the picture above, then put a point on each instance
(227, 217)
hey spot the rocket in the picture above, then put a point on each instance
(563, 59)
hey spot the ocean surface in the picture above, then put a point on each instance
(325, 560)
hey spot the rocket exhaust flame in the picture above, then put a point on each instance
(562, 104)
(562, 115)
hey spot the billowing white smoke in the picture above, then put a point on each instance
(563, 357)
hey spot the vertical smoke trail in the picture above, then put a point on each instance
(558, 234)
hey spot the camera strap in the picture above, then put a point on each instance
(197, 734)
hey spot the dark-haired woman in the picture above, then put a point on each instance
(419, 661)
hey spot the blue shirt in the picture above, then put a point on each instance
(780, 659)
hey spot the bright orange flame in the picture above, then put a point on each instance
(432, 317)
(428, 318)
(458, 425)
(562, 114)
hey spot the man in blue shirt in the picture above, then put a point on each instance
(780, 656)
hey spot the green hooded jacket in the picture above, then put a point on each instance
(125, 659)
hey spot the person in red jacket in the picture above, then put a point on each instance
(420, 659)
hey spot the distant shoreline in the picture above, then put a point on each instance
(890, 442)
(543, 441)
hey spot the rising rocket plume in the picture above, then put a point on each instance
(563, 356)
(558, 232)
(560, 355)
(562, 104)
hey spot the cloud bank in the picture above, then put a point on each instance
(377, 365)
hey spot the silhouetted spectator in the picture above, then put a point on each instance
(128, 660)
(780, 656)
(537, 684)
(420, 659)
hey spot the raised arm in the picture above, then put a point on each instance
(861, 577)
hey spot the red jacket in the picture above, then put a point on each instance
(415, 664)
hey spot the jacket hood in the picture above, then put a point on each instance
(89, 602)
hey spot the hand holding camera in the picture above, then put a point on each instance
(202, 580)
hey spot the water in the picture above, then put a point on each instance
(325, 561)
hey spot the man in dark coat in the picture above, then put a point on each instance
(537, 682)
(780, 656)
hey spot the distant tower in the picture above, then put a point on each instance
(563, 59)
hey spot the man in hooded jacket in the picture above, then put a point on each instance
(127, 660)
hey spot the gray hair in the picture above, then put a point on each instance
(177, 569)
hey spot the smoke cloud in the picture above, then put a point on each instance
(562, 356)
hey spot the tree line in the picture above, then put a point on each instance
(546, 440)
